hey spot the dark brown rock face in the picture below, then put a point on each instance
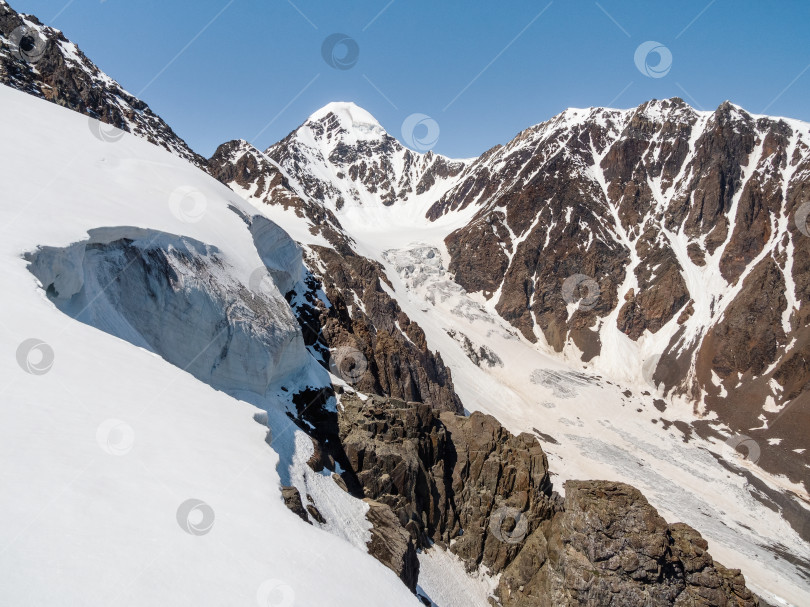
(292, 499)
(366, 322)
(59, 72)
(391, 544)
(471, 486)
(397, 452)
(609, 547)
(686, 224)
(446, 475)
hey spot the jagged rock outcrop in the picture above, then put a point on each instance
(292, 499)
(445, 475)
(54, 68)
(609, 547)
(366, 326)
(485, 494)
(391, 544)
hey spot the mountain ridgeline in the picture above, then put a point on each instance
(659, 246)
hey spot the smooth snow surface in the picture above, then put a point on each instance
(98, 454)
(443, 579)
(354, 119)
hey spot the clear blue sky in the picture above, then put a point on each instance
(483, 71)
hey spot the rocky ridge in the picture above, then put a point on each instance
(674, 234)
(342, 157)
(468, 485)
(41, 61)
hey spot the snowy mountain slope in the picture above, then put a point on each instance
(591, 427)
(593, 423)
(103, 449)
(39, 60)
(673, 218)
(683, 225)
(343, 157)
(381, 224)
(363, 322)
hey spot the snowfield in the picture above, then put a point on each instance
(103, 443)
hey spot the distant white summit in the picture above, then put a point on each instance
(351, 118)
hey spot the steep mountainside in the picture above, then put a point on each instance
(663, 245)
(343, 157)
(40, 61)
(362, 325)
(659, 245)
(628, 246)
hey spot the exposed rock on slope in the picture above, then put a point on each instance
(468, 484)
(391, 545)
(682, 227)
(364, 319)
(361, 321)
(257, 177)
(608, 546)
(54, 68)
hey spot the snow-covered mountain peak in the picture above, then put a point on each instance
(348, 119)
(342, 156)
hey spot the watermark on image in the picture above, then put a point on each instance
(653, 59)
(648, 369)
(188, 204)
(195, 517)
(104, 132)
(27, 43)
(275, 593)
(500, 524)
(340, 51)
(582, 290)
(800, 218)
(115, 437)
(745, 447)
(420, 132)
(349, 364)
(35, 356)
(260, 281)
